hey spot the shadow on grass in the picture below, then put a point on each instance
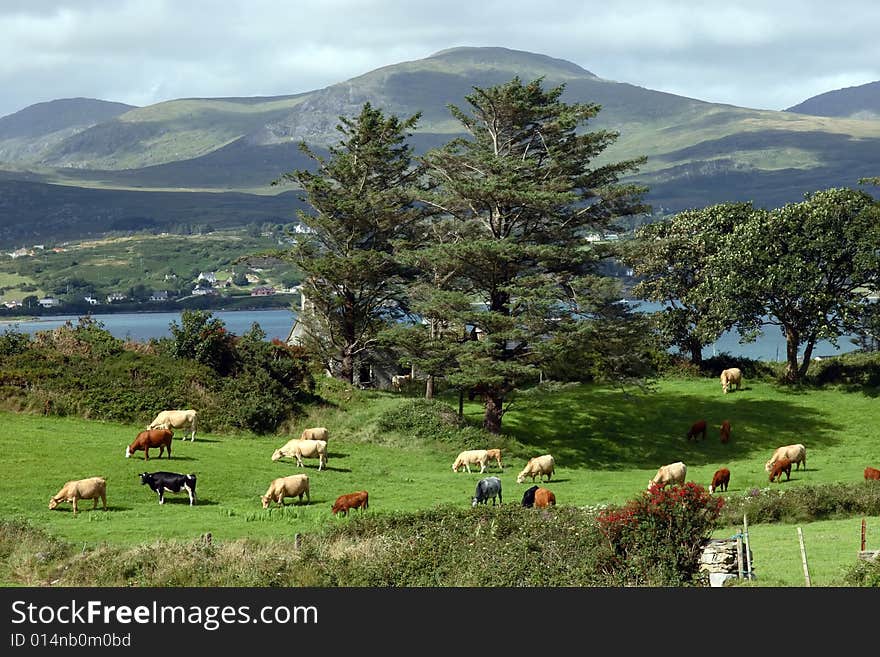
(610, 430)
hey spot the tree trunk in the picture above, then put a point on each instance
(791, 346)
(429, 387)
(696, 349)
(808, 354)
(346, 367)
(494, 411)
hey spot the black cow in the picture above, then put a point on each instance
(528, 499)
(486, 488)
(172, 482)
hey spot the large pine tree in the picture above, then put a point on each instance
(519, 194)
(362, 199)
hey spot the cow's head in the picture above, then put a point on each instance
(53, 503)
(265, 501)
(277, 454)
(145, 477)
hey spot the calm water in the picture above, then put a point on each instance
(140, 327)
(277, 324)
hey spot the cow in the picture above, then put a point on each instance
(160, 438)
(293, 486)
(470, 457)
(780, 466)
(720, 480)
(528, 498)
(172, 482)
(300, 449)
(315, 433)
(176, 420)
(797, 454)
(544, 497)
(872, 473)
(489, 487)
(731, 377)
(400, 380)
(358, 500)
(537, 466)
(672, 473)
(725, 432)
(93, 488)
(698, 428)
(496, 455)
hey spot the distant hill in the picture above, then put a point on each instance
(861, 102)
(698, 152)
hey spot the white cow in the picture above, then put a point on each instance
(299, 449)
(176, 420)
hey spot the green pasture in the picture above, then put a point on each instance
(607, 444)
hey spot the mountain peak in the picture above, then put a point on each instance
(497, 57)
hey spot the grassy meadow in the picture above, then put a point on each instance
(607, 444)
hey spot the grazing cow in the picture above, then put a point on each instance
(725, 432)
(315, 433)
(172, 482)
(160, 438)
(176, 420)
(872, 473)
(731, 377)
(495, 454)
(780, 466)
(720, 480)
(93, 488)
(400, 380)
(537, 466)
(528, 498)
(490, 487)
(470, 457)
(293, 486)
(672, 473)
(544, 497)
(358, 500)
(698, 428)
(300, 449)
(797, 454)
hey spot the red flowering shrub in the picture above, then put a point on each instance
(657, 538)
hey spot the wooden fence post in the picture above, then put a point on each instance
(739, 559)
(748, 549)
(862, 548)
(804, 557)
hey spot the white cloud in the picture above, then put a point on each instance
(754, 53)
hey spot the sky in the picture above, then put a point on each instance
(762, 54)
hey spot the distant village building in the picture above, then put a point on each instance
(92, 301)
(209, 276)
(114, 297)
(14, 303)
(159, 295)
(18, 253)
(49, 302)
(202, 291)
(252, 278)
(263, 291)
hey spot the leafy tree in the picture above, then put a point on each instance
(520, 193)
(362, 198)
(808, 268)
(672, 260)
(202, 337)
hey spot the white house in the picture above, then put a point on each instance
(91, 301)
(49, 302)
(115, 296)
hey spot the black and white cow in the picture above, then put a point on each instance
(486, 488)
(171, 482)
(528, 499)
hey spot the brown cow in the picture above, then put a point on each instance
(780, 466)
(494, 454)
(725, 432)
(698, 428)
(720, 480)
(544, 497)
(160, 438)
(872, 473)
(358, 500)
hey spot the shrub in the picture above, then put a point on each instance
(858, 369)
(657, 538)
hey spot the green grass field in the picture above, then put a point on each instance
(607, 444)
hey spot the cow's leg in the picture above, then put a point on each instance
(146, 453)
(74, 505)
(161, 496)
(95, 505)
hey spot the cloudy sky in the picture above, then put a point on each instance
(767, 54)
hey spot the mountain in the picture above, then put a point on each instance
(861, 102)
(698, 152)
